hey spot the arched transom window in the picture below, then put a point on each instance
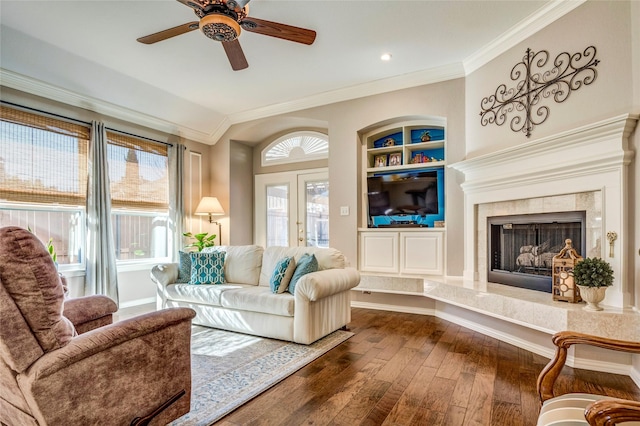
(296, 147)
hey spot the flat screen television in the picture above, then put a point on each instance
(412, 198)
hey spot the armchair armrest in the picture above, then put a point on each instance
(563, 341)
(612, 411)
(321, 284)
(119, 372)
(164, 273)
(89, 312)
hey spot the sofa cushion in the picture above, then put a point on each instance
(184, 267)
(328, 258)
(201, 294)
(32, 281)
(306, 265)
(242, 263)
(207, 268)
(282, 274)
(258, 299)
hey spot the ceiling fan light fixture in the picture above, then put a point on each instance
(220, 27)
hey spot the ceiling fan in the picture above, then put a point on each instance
(221, 20)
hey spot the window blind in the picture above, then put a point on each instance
(42, 159)
(138, 171)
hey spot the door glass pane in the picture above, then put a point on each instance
(317, 204)
(277, 215)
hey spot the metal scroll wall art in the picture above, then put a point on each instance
(569, 73)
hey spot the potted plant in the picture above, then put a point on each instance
(202, 240)
(592, 276)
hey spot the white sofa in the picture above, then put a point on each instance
(246, 304)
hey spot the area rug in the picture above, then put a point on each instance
(228, 369)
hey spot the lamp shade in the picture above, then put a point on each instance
(209, 206)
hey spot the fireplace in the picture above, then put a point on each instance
(521, 247)
(583, 168)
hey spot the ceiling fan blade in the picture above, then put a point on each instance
(235, 54)
(171, 32)
(283, 31)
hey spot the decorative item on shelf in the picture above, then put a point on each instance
(417, 158)
(438, 224)
(380, 160)
(389, 142)
(395, 159)
(592, 276)
(569, 73)
(210, 206)
(426, 137)
(563, 283)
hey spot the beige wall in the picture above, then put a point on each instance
(634, 197)
(344, 121)
(603, 24)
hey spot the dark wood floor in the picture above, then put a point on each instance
(407, 369)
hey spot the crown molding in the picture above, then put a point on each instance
(524, 29)
(405, 81)
(40, 88)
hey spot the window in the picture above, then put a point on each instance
(43, 179)
(43, 186)
(138, 174)
(296, 147)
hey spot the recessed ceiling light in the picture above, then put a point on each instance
(386, 56)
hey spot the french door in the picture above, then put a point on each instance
(292, 209)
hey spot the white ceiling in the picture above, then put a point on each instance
(86, 53)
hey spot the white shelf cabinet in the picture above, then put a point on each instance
(402, 252)
(422, 253)
(379, 251)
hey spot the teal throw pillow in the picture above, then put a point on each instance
(207, 268)
(282, 274)
(184, 267)
(307, 263)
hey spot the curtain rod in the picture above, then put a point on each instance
(85, 123)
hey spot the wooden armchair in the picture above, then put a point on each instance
(581, 408)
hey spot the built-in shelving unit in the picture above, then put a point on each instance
(402, 228)
(405, 147)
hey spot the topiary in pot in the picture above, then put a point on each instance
(592, 276)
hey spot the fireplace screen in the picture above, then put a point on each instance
(522, 247)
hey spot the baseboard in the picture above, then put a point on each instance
(635, 376)
(137, 302)
(393, 308)
(496, 334)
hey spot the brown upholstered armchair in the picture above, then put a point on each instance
(136, 371)
(583, 408)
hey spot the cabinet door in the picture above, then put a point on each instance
(421, 253)
(379, 252)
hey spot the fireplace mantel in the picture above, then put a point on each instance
(591, 158)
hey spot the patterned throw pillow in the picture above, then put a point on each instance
(282, 274)
(184, 267)
(307, 263)
(207, 268)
